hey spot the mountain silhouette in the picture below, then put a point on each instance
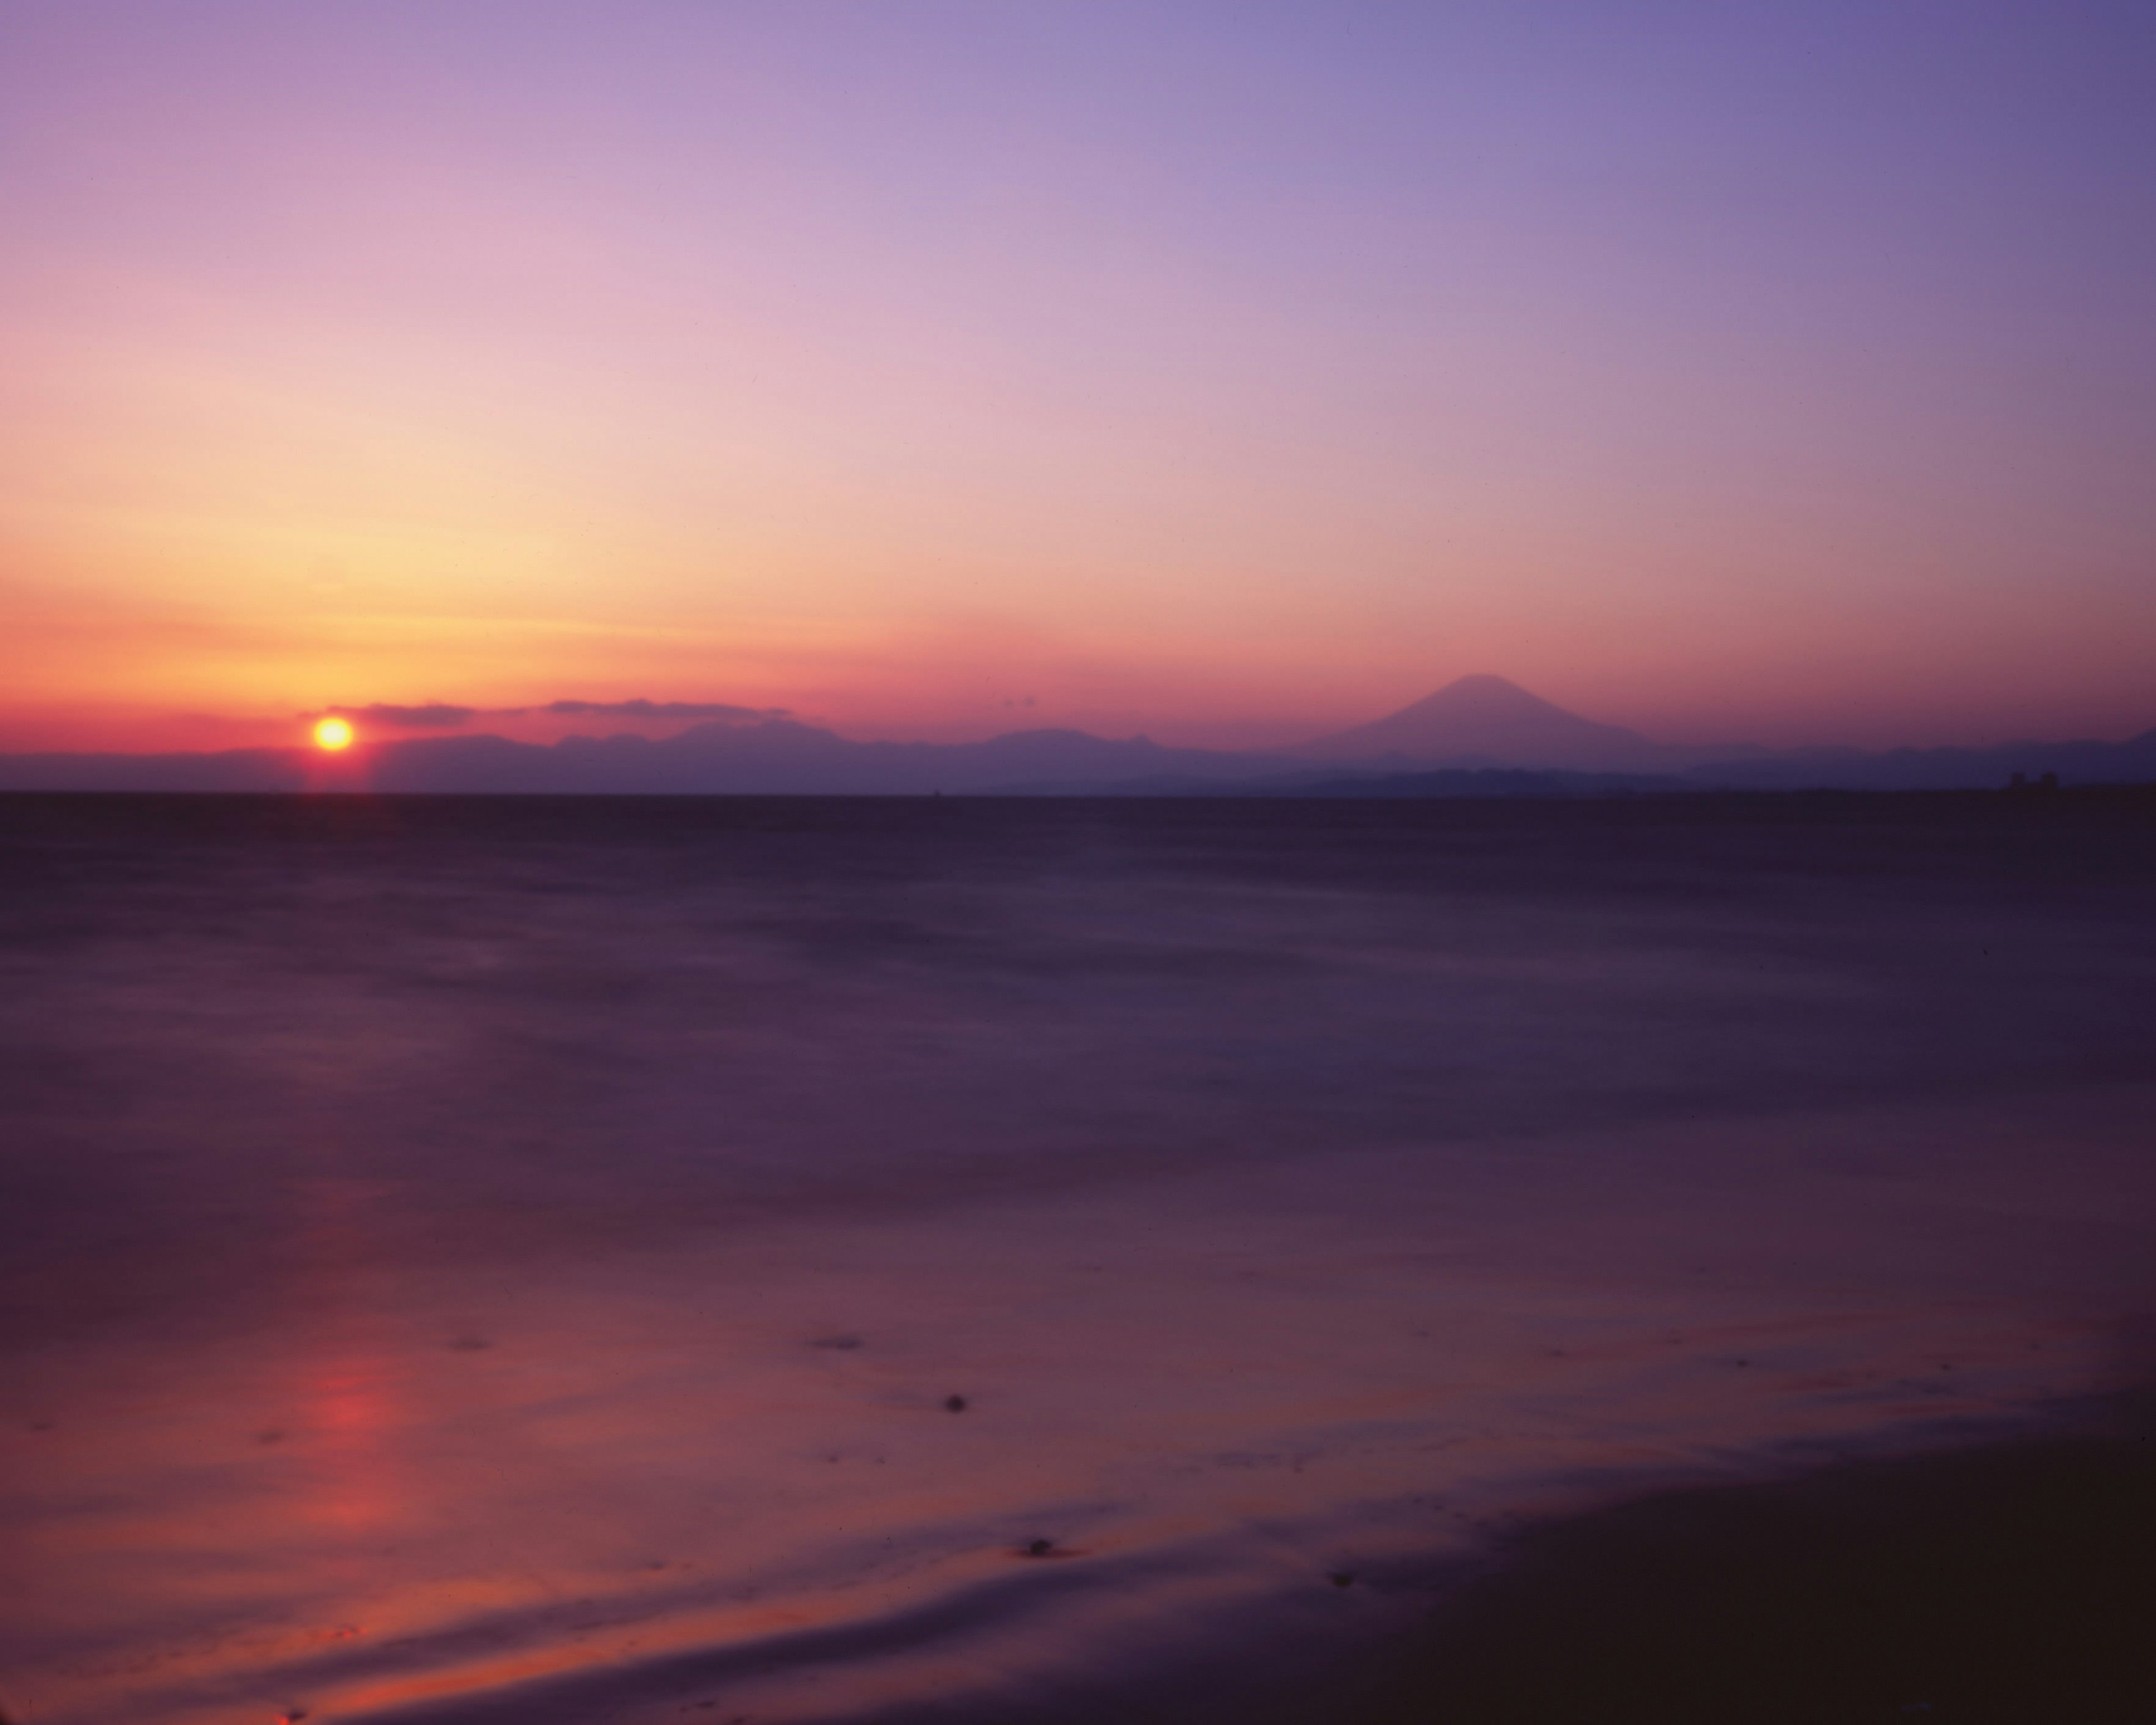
(1480, 736)
(787, 758)
(1489, 721)
(779, 757)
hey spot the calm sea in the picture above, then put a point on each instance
(581, 1259)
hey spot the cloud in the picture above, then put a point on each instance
(654, 710)
(434, 715)
(443, 716)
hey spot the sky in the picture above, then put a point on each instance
(1230, 373)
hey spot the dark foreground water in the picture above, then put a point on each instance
(796, 1260)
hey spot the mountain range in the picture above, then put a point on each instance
(1481, 736)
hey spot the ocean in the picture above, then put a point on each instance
(827, 1260)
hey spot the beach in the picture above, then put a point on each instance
(911, 1259)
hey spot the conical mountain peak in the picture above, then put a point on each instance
(1485, 720)
(1485, 693)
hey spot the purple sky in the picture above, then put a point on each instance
(1227, 371)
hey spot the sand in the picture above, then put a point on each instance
(1997, 1584)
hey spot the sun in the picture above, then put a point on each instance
(332, 734)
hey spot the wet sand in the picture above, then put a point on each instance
(1987, 1583)
(1986, 1586)
(814, 1261)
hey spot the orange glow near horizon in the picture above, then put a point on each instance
(865, 383)
(332, 734)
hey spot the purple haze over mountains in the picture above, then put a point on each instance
(1477, 736)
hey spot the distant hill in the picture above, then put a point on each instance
(777, 756)
(2085, 762)
(1479, 782)
(1480, 736)
(225, 770)
(782, 756)
(1482, 722)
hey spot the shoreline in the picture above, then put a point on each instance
(2000, 1580)
(1997, 1577)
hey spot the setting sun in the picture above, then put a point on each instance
(332, 734)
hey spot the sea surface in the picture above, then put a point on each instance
(807, 1260)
